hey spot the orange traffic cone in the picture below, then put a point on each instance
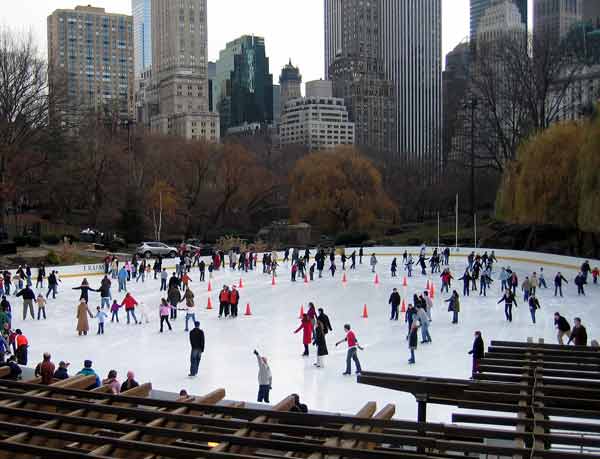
(301, 311)
(365, 312)
(432, 292)
(376, 279)
(248, 312)
(344, 280)
(209, 304)
(241, 285)
(404, 282)
(403, 306)
(209, 287)
(273, 280)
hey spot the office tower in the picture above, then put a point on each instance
(591, 12)
(501, 20)
(90, 58)
(411, 43)
(290, 81)
(142, 35)
(478, 8)
(212, 76)
(318, 121)
(397, 42)
(277, 108)
(455, 81)
(180, 95)
(245, 86)
(333, 33)
(553, 19)
(358, 76)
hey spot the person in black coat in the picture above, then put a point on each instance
(509, 300)
(409, 318)
(466, 278)
(580, 282)
(413, 340)
(558, 280)
(197, 344)
(321, 344)
(578, 334)
(477, 352)
(395, 302)
(62, 371)
(85, 289)
(562, 327)
(322, 317)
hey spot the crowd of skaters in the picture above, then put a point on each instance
(314, 326)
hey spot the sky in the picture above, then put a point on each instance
(293, 29)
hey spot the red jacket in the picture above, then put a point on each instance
(234, 297)
(129, 303)
(306, 326)
(224, 296)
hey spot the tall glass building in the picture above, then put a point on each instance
(142, 35)
(244, 86)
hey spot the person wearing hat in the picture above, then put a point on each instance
(61, 372)
(87, 370)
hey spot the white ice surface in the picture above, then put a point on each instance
(228, 362)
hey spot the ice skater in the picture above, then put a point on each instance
(130, 303)
(413, 339)
(373, 263)
(321, 343)
(307, 330)
(164, 312)
(101, 316)
(477, 351)
(534, 305)
(197, 345)
(509, 299)
(394, 301)
(41, 305)
(114, 309)
(83, 312)
(352, 353)
(562, 327)
(265, 378)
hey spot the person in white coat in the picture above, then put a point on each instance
(265, 378)
(429, 303)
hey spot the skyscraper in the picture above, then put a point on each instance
(244, 84)
(398, 42)
(290, 81)
(502, 19)
(90, 55)
(180, 94)
(411, 37)
(142, 35)
(358, 77)
(478, 8)
(553, 19)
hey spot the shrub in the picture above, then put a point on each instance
(52, 258)
(20, 241)
(34, 241)
(351, 238)
(51, 239)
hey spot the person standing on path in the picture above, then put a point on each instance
(351, 354)
(197, 345)
(265, 378)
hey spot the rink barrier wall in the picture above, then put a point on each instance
(509, 256)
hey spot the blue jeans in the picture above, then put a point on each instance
(351, 355)
(454, 317)
(132, 312)
(426, 337)
(412, 355)
(532, 314)
(51, 289)
(105, 301)
(189, 316)
(122, 285)
(115, 316)
(195, 361)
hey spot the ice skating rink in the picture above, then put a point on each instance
(228, 361)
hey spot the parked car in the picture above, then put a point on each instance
(154, 249)
(193, 245)
(90, 235)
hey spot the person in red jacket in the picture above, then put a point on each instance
(307, 329)
(234, 300)
(224, 302)
(130, 304)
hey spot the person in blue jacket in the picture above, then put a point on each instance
(122, 276)
(87, 370)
